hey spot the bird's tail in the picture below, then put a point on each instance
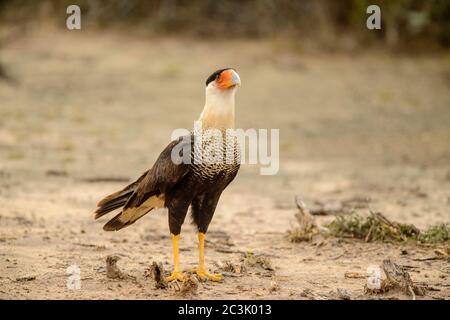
(117, 199)
(112, 202)
(131, 214)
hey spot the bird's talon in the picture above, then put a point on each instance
(176, 275)
(204, 275)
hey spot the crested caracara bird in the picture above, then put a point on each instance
(212, 163)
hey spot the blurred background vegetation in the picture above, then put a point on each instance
(326, 24)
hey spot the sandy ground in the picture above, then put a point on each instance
(89, 106)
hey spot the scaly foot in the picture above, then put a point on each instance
(176, 275)
(204, 275)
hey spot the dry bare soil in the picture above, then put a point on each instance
(87, 112)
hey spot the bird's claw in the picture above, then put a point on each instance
(176, 275)
(204, 275)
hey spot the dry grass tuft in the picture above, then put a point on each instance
(435, 234)
(229, 266)
(376, 227)
(306, 227)
(252, 260)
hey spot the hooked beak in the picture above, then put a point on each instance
(228, 79)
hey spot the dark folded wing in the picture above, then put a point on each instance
(168, 170)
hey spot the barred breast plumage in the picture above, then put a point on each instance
(215, 155)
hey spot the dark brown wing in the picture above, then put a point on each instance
(150, 191)
(164, 174)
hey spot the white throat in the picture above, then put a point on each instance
(219, 108)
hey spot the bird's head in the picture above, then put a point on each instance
(223, 80)
(220, 91)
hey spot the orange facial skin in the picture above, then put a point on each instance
(228, 79)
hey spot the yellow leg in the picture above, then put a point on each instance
(176, 274)
(201, 271)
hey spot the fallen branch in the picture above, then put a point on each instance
(393, 277)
